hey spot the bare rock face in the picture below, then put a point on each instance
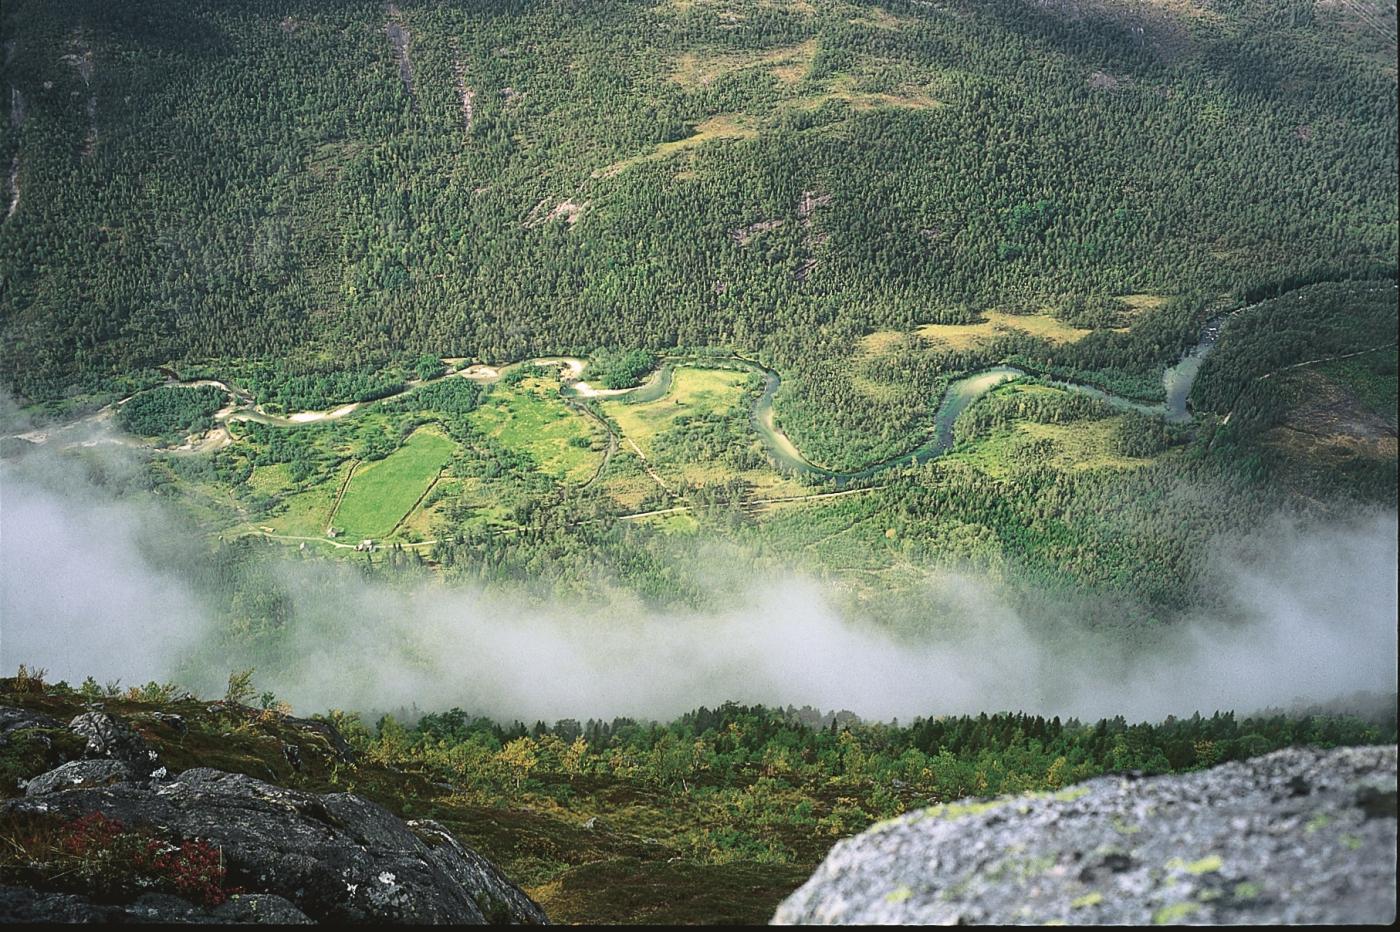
(1297, 836)
(300, 856)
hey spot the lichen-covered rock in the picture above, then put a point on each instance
(12, 719)
(1298, 836)
(80, 773)
(20, 904)
(343, 752)
(499, 900)
(113, 740)
(335, 857)
(260, 908)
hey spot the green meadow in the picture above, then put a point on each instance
(382, 493)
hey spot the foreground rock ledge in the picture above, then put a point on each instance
(1298, 836)
(301, 856)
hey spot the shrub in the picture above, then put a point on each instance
(100, 855)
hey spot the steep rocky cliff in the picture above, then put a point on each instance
(1298, 836)
(113, 834)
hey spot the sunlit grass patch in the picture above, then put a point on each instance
(531, 417)
(693, 391)
(879, 342)
(681, 522)
(789, 64)
(383, 492)
(768, 483)
(307, 514)
(271, 479)
(1138, 303)
(861, 92)
(626, 482)
(721, 126)
(727, 10)
(882, 19)
(1078, 445)
(724, 126)
(419, 524)
(998, 323)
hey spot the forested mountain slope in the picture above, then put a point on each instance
(351, 184)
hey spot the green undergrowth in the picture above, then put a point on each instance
(714, 817)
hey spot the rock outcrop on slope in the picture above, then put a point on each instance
(292, 856)
(1298, 836)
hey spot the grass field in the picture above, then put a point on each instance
(998, 323)
(788, 64)
(531, 418)
(626, 481)
(271, 480)
(382, 492)
(305, 514)
(853, 90)
(721, 126)
(693, 391)
(1074, 446)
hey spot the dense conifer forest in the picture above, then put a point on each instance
(227, 184)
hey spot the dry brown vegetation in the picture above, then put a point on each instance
(788, 64)
(720, 126)
(1329, 424)
(998, 323)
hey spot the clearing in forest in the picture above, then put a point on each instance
(858, 92)
(532, 418)
(721, 126)
(699, 433)
(789, 64)
(996, 324)
(1340, 414)
(382, 493)
(302, 514)
(399, 38)
(723, 9)
(464, 90)
(1076, 445)
(693, 391)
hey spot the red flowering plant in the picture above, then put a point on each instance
(102, 857)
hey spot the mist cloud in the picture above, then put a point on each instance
(1302, 613)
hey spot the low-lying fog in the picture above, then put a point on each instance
(90, 585)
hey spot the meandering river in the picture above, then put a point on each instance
(1177, 382)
